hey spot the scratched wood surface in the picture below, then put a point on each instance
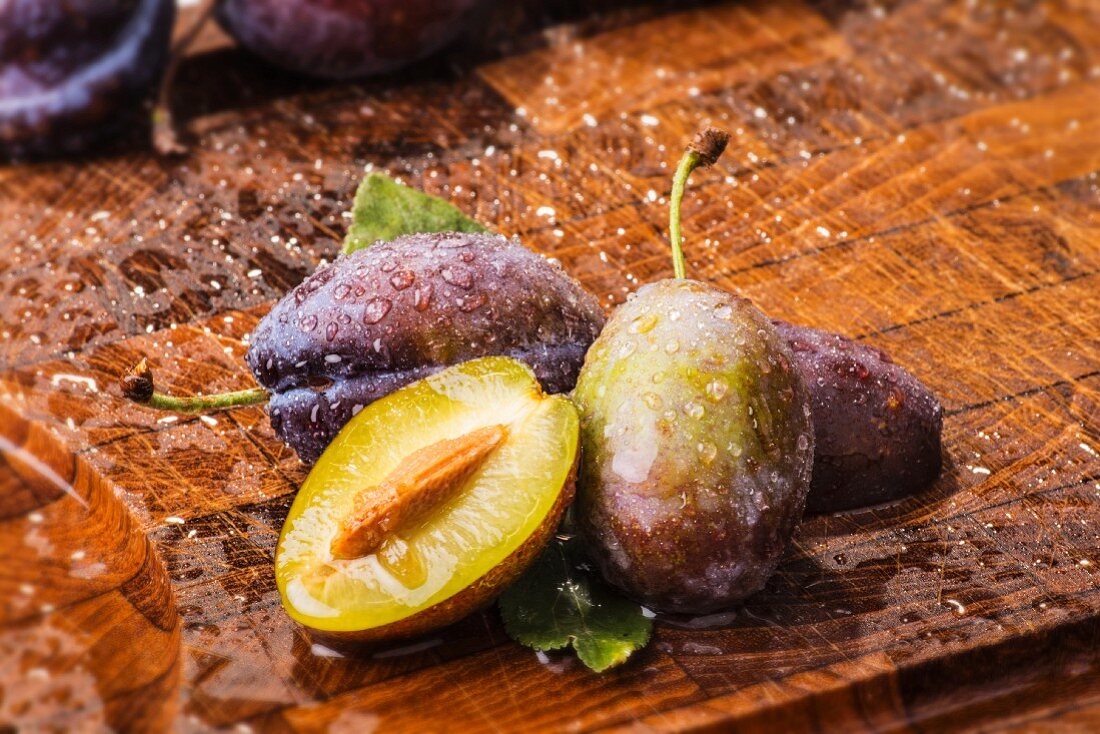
(920, 175)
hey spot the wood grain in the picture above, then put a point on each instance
(89, 630)
(924, 176)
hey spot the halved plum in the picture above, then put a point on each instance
(428, 503)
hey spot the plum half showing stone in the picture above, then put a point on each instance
(73, 71)
(382, 317)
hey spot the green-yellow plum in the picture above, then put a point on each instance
(696, 437)
(697, 447)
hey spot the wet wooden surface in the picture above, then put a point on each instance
(920, 175)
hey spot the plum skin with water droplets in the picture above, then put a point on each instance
(697, 447)
(395, 312)
(344, 38)
(73, 72)
(877, 427)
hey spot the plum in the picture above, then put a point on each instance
(344, 38)
(428, 503)
(697, 442)
(73, 71)
(698, 447)
(380, 318)
(876, 426)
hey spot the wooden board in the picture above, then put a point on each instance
(920, 175)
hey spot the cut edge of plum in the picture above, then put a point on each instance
(308, 417)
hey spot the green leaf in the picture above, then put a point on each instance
(562, 601)
(384, 210)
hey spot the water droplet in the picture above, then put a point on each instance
(643, 324)
(309, 323)
(803, 442)
(422, 296)
(653, 400)
(472, 303)
(724, 312)
(895, 399)
(331, 330)
(707, 452)
(459, 276)
(402, 279)
(695, 410)
(403, 562)
(376, 310)
(672, 347)
(717, 389)
(959, 607)
(341, 291)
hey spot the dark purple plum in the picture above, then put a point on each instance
(876, 426)
(74, 71)
(340, 39)
(382, 317)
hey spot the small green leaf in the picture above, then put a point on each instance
(562, 601)
(384, 210)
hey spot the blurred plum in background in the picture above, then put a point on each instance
(74, 71)
(345, 38)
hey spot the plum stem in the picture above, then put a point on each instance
(166, 140)
(137, 385)
(703, 151)
(208, 403)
